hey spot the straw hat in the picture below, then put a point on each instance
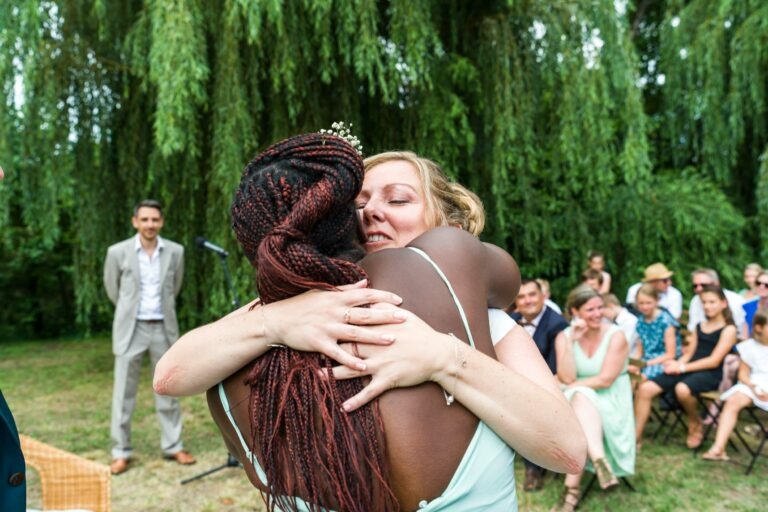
(657, 271)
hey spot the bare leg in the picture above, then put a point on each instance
(730, 370)
(591, 423)
(645, 394)
(571, 494)
(727, 421)
(573, 480)
(690, 406)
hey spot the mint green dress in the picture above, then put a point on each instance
(614, 404)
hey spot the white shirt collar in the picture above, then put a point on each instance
(535, 321)
(137, 243)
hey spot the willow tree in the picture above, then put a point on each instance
(713, 116)
(535, 106)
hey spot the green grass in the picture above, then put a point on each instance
(60, 393)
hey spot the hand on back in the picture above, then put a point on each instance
(315, 321)
(410, 360)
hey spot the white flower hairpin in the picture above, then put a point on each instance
(339, 129)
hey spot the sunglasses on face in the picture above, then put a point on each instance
(762, 284)
(696, 286)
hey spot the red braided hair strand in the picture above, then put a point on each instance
(294, 217)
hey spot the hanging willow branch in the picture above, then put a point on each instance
(539, 107)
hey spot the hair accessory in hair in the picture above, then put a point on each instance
(340, 130)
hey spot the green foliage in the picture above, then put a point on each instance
(678, 218)
(714, 56)
(555, 113)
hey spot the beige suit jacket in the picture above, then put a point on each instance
(122, 282)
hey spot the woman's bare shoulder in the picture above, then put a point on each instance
(446, 238)
(436, 242)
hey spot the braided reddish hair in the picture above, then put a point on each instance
(294, 217)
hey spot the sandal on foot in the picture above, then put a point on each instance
(605, 475)
(714, 456)
(569, 500)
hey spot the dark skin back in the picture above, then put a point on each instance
(425, 439)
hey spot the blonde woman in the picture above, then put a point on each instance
(403, 196)
(592, 360)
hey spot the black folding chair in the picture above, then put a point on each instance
(754, 414)
(669, 414)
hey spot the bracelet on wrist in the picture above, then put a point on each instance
(682, 367)
(264, 328)
(461, 362)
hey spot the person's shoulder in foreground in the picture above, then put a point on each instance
(13, 488)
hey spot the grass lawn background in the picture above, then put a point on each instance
(60, 393)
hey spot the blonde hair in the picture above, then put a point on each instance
(578, 297)
(448, 203)
(648, 290)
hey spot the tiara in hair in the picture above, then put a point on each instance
(339, 129)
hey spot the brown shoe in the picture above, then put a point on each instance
(181, 457)
(533, 480)
(118, 466)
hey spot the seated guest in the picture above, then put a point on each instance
(657, 331)
(761, 285)
(543, 324)
(751, 272)
(699, 369)
(703, 277)
(752, 388)
(619, 315)
(548, 296)
(592, 366)
(660, 277)
(593, 278)
(596, 261)
(759, 300)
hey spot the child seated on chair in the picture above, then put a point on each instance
(657, 330)
(752, 388)
(699, 369)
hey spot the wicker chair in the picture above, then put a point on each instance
(68, 480)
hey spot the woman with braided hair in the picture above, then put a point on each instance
(425, 441)
(294, 217)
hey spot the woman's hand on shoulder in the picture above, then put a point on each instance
(317, 321)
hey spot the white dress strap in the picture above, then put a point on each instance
(251, 457)
(450, 290)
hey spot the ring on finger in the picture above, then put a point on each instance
(347, 315)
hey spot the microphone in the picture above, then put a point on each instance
(205, 244)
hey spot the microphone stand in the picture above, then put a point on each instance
(231, 461)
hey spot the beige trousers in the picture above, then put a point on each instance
(147, 336)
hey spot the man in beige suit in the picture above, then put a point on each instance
(142, 276)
